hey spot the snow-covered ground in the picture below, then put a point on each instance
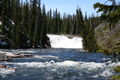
(64, 41)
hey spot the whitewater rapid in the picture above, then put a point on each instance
(61, 62)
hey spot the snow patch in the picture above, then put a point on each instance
(62, 41)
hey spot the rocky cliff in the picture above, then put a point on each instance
(107, 39)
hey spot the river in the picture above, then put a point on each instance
(58, 64)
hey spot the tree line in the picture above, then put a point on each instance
(26, 25)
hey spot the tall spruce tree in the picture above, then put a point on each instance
(110, 13)
(33, 16)
(49, 21)
(80, 22)
(38, 26)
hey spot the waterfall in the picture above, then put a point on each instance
(65, 41)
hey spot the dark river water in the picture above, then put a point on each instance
(59, 64)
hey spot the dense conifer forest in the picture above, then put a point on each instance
(26, 25)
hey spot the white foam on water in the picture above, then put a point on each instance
(106, 73)
(46, 64)
(28, 51)
(33, 64)
(92, 65)
(62, 41)
(67, 63)
(4, 72)
(45, 56)
(88, 67)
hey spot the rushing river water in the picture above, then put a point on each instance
(59, 64)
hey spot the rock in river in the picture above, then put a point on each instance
(3, 57)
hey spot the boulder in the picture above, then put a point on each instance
(7, 67)
(3, 57)
(70, 36)
(2, 66)
(107, 39)
(46, 42)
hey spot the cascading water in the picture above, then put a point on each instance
(58, 64)
(65, 41)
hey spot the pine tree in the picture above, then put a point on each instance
(55, 22)
(89, 41)
(80, 22)
(33, 16)
(6, 18)
(44, 28)
(63, 29)
(38, 27)
(110, 13)
(49, 21)
(17, 20)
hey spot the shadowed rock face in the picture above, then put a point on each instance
(108, 39)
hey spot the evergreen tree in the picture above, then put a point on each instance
(44, 27)
(110, 13)
(17, 26)
(33, 16)
(80, 22)
(6, 17)
(38, 27)
(49, 21)
(63, 29)
(74, 31)
(55, 21)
